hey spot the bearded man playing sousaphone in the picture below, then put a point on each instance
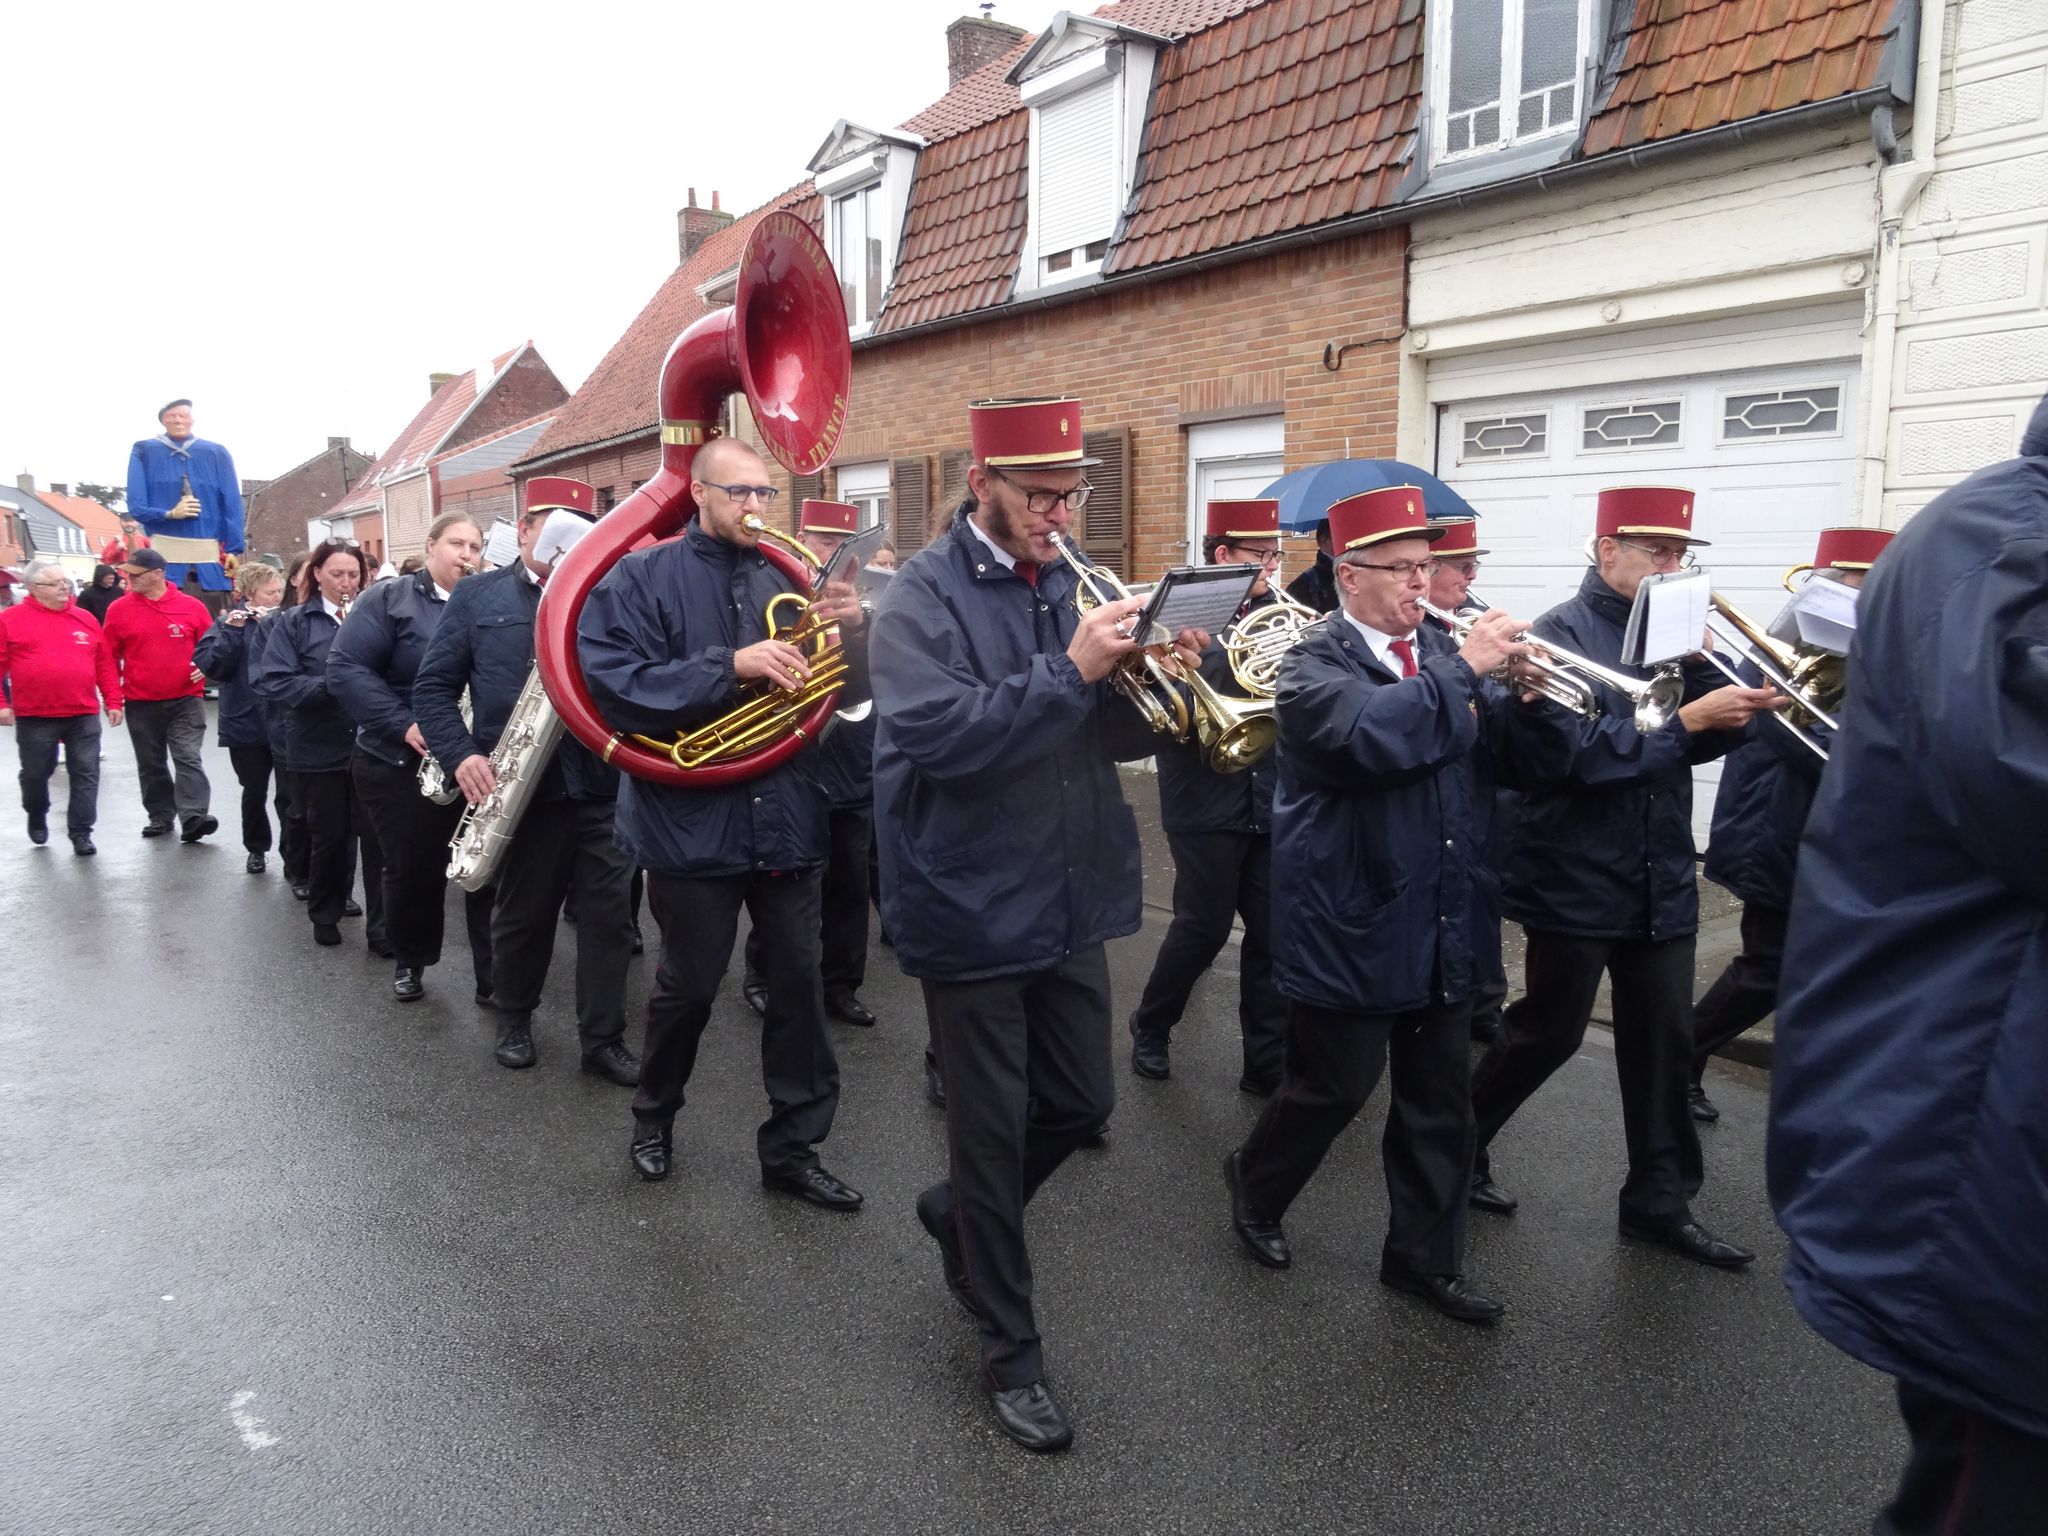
(677, 635)
(1008, 857)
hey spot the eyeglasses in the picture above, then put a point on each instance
(1039, 503)
(1465, 568)
(740, 493)
(1681, 559)
(1263, 556)
(1400, 570)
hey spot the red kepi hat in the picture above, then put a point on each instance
(1373, 517)
(546, 492)
(1255, 518)
(1460, 540)
(828, 517)
(1850, 549)
(1028, 434)
(1645, 511)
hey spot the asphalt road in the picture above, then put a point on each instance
(282, 1255)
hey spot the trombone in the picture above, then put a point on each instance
(1812, 680)
(1232, 733)
(1566, 678)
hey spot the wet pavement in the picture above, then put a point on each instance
(283, 1255)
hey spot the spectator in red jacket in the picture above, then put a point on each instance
(152, 633)
(58, 672)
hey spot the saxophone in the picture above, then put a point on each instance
(518, 761)
(434, 781)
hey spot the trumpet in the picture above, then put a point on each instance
(1232, 733)
(1566, 678)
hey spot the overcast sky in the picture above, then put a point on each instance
(293, 213)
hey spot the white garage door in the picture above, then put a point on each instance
(1768, 450)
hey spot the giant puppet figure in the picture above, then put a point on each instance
(183, 491)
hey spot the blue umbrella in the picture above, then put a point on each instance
(1306, 494)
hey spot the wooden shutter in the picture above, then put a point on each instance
(802, 487)
(1106, 520)
(953, 468)
(910, 505)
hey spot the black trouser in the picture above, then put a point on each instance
(335, 826)
(37, 738)
(843, 903)
(169, 734)
(1216, 874)
(1487, 1004)
(563, 846)
(1026, 1063)
(1334, 1061)
(294, 847)
(1746, 991)
(1967, 1474)
(699, 918)
(253, 768)
(413, 833)
(1543, 1029)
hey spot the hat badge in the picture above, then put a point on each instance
(1063, 426)
(1411, 506)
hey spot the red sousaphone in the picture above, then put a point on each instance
(784, 344)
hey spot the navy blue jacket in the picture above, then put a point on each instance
(844, 764)
(485, 644)
(1767, 787)
(371, 667)
(1194, 799)
(276, 717)
(1908, 1154)
(656, 639)
(224, 653)
(1380, 819)
(1603, 847)
(1316, 587)
(291, 673)
(1004, 839)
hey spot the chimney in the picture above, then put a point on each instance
(25, 482)
(337, 442)
(695, 225)
(435, 381)
(59, 490)
(974, 42)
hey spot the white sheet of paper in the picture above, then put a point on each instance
(1669, 617)
(501, 544)
(1820, 615)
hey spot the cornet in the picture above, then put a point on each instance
(1563, 677)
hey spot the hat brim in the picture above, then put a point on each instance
(1031, 461)
(1649, 531)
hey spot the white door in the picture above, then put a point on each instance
(1230, 460)
(1768, 452)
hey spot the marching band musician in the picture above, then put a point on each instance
(1457, 566)
(1316, 587)
(673, 634)
(182, 490)
(1767, 788)
(844, 767)
(1008, 858)
(1380, 817)
(1602, 880)
(563, 843)
(1219, 827)
(225, 654)
(290, 672)
(370, 669)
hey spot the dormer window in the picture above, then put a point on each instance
(1087, 83)
(858, 229)
(864, 177)
(1507, 72)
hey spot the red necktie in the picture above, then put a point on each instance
(1405, 649)
(1028, 569)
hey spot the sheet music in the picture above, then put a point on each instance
(501, 544)
(1203, 597)
(1820, 615)
(1668, 619)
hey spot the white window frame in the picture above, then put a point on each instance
(1834, 382)
(1124, 67)
(871, 199)
(1510, 101)
(866, 486)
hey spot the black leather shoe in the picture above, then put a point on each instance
(816, 1186)
(38, 828)
(1689, 1239)
(848, 1009)
(1030, 1416)
(350, 907)
(81, 844)
(934, 1085)
(380, 946)
(515, 1044)
(156, 829)
(1263, 1240)
(949, 1259)
(254, 863)
(301, 890)
(1702, 1107)
(1485, 1195)
(484, 994)
(756, 994)
(1258, 1087)
(408, 986)
(613, 1062)
(197, 827)
(1449, 1294)
(652, 1146)
(1149, 1057)
(326, 933)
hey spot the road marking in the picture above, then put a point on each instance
(247, 1425)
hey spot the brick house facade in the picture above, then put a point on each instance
(276, 511)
